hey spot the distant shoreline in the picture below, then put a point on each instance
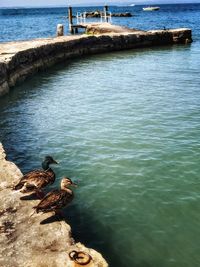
(100, 5)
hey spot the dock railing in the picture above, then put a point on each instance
(105, 16)
(81, 18)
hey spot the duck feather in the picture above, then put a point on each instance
(54, 200)
(39, 178)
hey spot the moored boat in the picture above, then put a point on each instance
(151, 8)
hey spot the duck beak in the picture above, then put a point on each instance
(73, 184)
(55, 162)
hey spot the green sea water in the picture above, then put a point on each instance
(126, 127)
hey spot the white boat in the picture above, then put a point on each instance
(151, 8)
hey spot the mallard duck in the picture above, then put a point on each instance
(34, 181)
(57, 199)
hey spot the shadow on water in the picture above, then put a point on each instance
(91, 237)
(79, 221)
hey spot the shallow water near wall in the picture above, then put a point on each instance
(125, 126)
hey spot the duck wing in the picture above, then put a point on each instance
(35, 183)
(34, 176)
(56, 199)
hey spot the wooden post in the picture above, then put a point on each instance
(60, 30)
(70, 17)
(106, 12)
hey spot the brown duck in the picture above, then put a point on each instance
(57, 199)
(35, 181)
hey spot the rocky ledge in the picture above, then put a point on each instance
(19, 60)
(24, 241)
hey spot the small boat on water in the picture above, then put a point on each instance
(151, 8)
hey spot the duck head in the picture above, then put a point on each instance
(66, 182)
(47, 161)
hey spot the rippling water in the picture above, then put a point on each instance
(126, 127)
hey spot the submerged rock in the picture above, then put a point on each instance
(24, 240)
(126, 14)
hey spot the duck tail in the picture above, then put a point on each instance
(35, 210)
(32, 213)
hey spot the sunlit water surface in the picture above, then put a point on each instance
(126, 127)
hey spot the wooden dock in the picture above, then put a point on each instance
(75, 28)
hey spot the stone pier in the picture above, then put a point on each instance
(19, 60)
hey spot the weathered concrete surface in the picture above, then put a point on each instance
(103, 28)
(18, 60)
(24, 242)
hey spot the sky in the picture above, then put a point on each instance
(38, 3)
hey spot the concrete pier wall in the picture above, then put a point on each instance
(18, 60)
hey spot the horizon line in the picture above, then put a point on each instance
(91, 5)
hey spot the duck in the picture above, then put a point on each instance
(36, 180)
(57, 199)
